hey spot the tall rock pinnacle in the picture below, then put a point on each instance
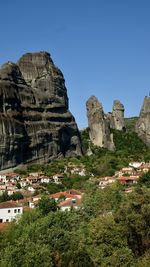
(118, 116)
(35, 123)
(99, 129)
(143, 124)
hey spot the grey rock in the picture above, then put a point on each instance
(117, 116)
(35, 123)
(143, 123)
(99, 126)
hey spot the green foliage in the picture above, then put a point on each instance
(18, 185)
(145, 179)
(129, 143)
(85, 139)
(134, 216)
(47, 204)
(53, 188)
(16, 196)
(21, 171)
(4, 197)
(111, 229)
(130, 123)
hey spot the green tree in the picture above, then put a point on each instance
(145, 179)
(106, 243)
(17, 196)
(4, 197)
(47, 204)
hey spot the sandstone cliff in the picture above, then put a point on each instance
(143, 124)
(35, 123)
(99, 126)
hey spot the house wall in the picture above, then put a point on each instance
(9, 214)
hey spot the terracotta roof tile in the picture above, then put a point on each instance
(9, 204)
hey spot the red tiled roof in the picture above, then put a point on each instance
(9, 204)
(70, 202)
(128, 178)
(73, 192)
(57, 195)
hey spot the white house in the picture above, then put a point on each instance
(3, 178)
(105, 181)
(67, 204)
(45, 179)
(136, 164)
(57, 178)
(9, 211)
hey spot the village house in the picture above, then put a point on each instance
(105, 181)
(10, 188)
(58, 195)
(35, 174)
(144, 168)
(9, 211)
(2, 188)
(23, 182)
(69, 194)
(128, 180)
(32, 179)
(57, 178)
(45, 179)
(136, 164)
(31, 189)
(70, 203)
(74, 169)
(78, 170)
(34, 201)
(3, 178)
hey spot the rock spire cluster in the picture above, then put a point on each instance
(100, 124)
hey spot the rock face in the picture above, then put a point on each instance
(35, 123)
(99, 127)
(143, 123)
(117, 116)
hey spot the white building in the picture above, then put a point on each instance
(136, 164)
(67, 204)
(45, 179)
(9, 211)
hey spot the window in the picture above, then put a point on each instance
(1, 220)
(7, 220)
(18, 210)
(8, 211)
(15, 211)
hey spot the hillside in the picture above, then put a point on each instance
(130, 123)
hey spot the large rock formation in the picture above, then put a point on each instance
(99, 127)
(117, 116)
(35, 124)
(143, 124)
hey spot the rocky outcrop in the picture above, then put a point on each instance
(117, 116)
(143, 124)
(99, 127)
(35, 123)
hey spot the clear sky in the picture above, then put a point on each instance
(101, 46)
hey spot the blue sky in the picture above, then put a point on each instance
(101, 46)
